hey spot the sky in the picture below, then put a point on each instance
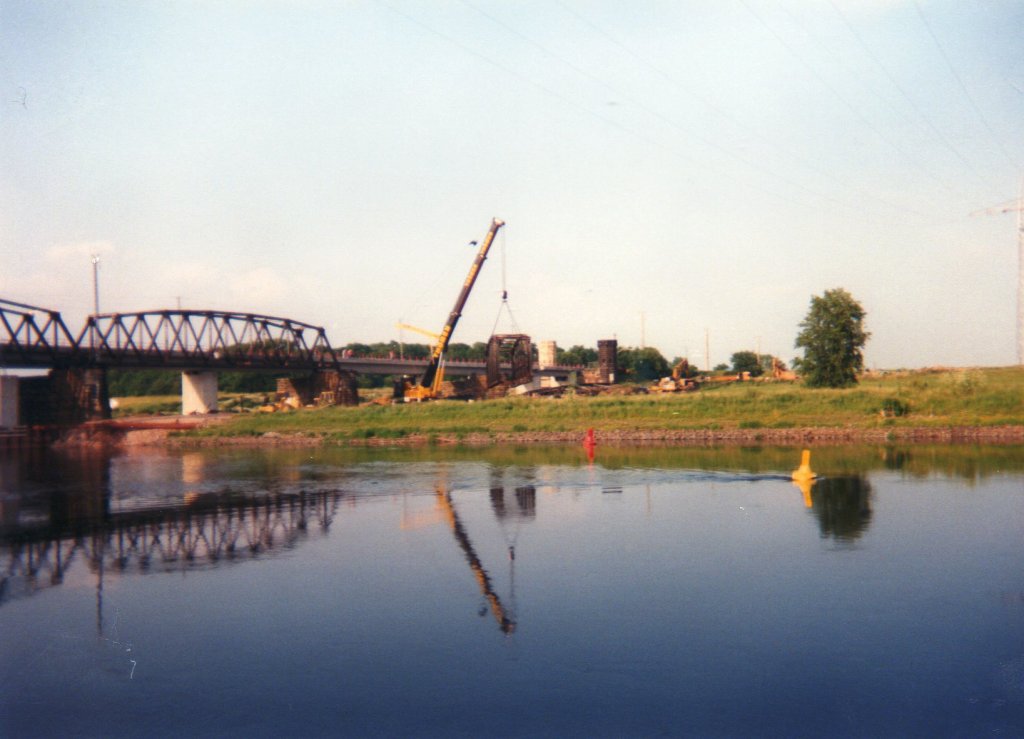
(676, 174)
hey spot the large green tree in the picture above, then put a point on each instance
(832, 337)
(577, 354)
(746, 361)
(643, 364)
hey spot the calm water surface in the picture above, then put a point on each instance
(513, 592)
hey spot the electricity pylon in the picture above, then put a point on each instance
(1015, 206)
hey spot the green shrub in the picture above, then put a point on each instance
(893, 407)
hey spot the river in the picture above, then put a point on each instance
(513, 591)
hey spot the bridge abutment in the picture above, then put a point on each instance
(10, 405)
(198, 393)
(64, 397)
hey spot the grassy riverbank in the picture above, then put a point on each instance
(892, 402)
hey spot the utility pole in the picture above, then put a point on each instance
(707, 351)
(1018, 208)
(643, 332)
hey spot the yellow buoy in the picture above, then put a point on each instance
(804, 476)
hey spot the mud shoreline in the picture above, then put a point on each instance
(139, 435)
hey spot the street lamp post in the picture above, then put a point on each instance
(96, 284)
(95, 297)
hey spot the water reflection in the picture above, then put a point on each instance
(199, 532)
(842, 506)
(194, 510)
(501, 613)
(327, 591)
(159, 526)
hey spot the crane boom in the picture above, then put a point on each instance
(418, 330)
(431, 375)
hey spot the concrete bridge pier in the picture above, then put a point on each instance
(198, 392)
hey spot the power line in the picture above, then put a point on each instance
(786, 45)
(588, 111)
(650, 111)
(967, 94)
(702, 139)
(750, 130)
(951, 188)
(906, 96)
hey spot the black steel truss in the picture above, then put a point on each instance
(31, 336)
(174, 339)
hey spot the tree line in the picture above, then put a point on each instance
(832, 337)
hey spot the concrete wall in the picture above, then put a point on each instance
(9, 402)
(198, 392)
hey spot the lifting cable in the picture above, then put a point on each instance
(504, 293)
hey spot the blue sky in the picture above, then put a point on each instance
(665, 169)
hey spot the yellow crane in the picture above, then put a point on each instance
(430, 382)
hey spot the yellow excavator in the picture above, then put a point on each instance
(679, 381)
(429, 384)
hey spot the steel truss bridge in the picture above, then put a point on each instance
(211, 531)
(165, 339)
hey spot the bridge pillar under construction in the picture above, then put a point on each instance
(546, 353)
(198, 392)
(10, 415)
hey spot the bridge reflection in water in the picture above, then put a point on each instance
(204, 531)
(43, 535)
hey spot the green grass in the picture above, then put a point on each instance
(980, 397)
(154, 405)
(147, 405)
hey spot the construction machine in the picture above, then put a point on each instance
(677, 382)
(430, 382)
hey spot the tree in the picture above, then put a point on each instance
(832, 337)
(769, 363)
(576, 355)
(477, 352)
(643, 364)
(746, 361)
